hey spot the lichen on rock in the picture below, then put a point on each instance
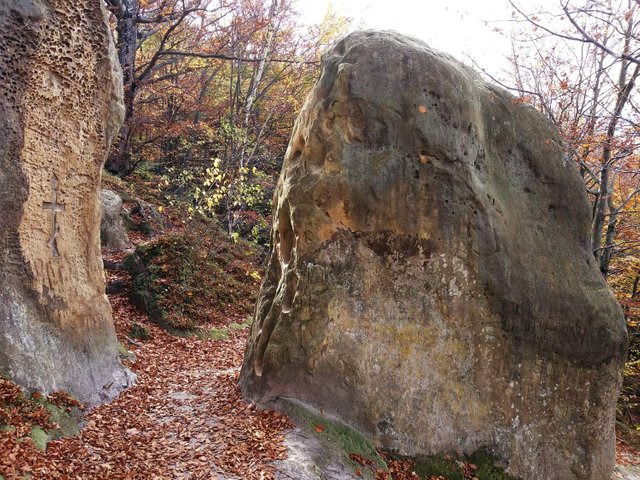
(431, 283)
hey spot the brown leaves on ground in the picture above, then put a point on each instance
(184, 418)
(627, 453)
(396, 469)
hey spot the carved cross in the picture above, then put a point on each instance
(55, 207)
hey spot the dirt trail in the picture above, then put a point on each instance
(183, 419)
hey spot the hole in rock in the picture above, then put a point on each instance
(285, 231)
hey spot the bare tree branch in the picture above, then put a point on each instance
(222, 56)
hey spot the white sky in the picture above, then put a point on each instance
(458, 27)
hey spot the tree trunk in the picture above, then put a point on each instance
(600, 206)
(119, 161)
(603, 255)
(607, 250)
(257, 77)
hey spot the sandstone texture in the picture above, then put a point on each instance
(113, 235)
(431, 282)
(60, 107)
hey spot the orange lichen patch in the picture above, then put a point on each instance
(424, 158)
(422, 109)
(336, 218)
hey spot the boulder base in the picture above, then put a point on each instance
(431, 282)
(60, 107)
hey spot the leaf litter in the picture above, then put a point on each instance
(184, 418)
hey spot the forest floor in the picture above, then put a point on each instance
(183, 418)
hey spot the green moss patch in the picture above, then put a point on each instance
(337, 436)
(213, 334)
(452, 467)
(360, 454)
(39, 437)
(37, 417)
(193, 278)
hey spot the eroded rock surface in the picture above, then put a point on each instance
(431, 282)
(113, 234)
(60, 107)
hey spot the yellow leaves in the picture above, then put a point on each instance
(256, 276)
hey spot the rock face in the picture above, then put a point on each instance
(60, 107)
(112, 232)
(431, 282)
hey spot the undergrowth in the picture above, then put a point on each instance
(194, 277)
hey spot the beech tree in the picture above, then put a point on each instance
(152, 25)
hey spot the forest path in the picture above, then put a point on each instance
(626, 473)
(183, 419)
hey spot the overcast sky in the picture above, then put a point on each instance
(458, 27)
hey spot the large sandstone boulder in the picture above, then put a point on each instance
(60, 107)
(431, 282)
